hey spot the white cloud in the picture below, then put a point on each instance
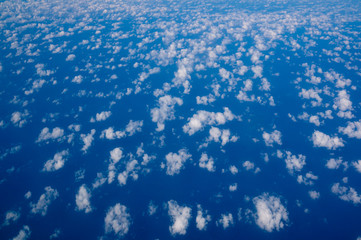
(233, 187)
(101, 116)
(55, 234)
(57, 162)
(202, 218)
(116, 154)
(117, 220)
(312, 94)
(19, 119)
(152, 208)
(165, 111)
(307, 179)
(242, 96)
(82, 199)
(23, 234)
(223, 73)
(70, 57)
(271, 214)
(87, 140)
(10, 217)
(99, 180)
(273, 137)
(131, 170)
(334, 163)
(205, 100)
(233, 169)
(182, 75)
(45, 134)
(77, 79)
(248, 165)
(347, 194)
(175, 161)
(203, 118)
(257, 70)
(180, 216)
(357, 165)
(315, 120)
(295, 163)
(207, 162)
(323, 140)
(352, 130)
(110, 134)
(215, 134)
(314, 194)
(41, 207)
(226, 220)
(133, 127)
(343, 104)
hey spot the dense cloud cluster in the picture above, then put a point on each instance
(145, 101)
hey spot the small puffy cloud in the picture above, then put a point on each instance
(307, 179)
(357, 165)
(257, 70)
(295, 163)
(314, 194)
(242, 96)
(110, 134)
(77, 79)
(19, 119)
(70, 57)
(223, 73)
(312, 94)
(207, 162)
(222, 136)
(27, 195)
(347, 194)
(116, 154)
(334, 163)
(10, 217)
(133, 127)
(131, 170)
(165, 110)
(117, 220)
(180, 216)
(101, 116)
(203, 118)
(352, 130)
(202, 218)
(205, 100)
(270, 213)
(57, 162)
(233, 169)
(55, 234)
(175, 161)
(23, 234)
(315, 120)
(271, 138)
(41, 207)
(87, 140)
(343, 104)
(152, 208)
(46, 134)
(82, 199)
(321, 139)
(233, 187)
(248, 165)
(225, 221)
